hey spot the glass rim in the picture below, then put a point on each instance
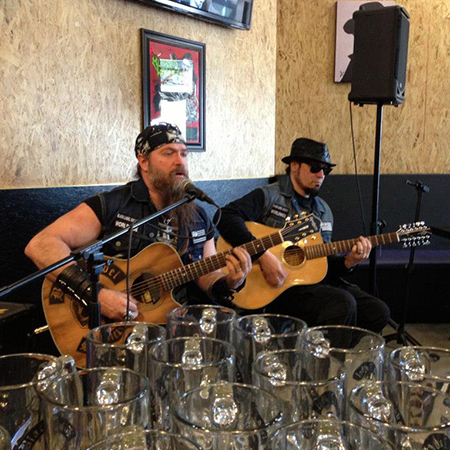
(346, 327)
(145, 391)
(99, 444)
(246, 432)
(413, 429)
(347, 423)
(322, 382)
(232, 317)
(32, 382)
(90, 336)
(236, 325)
(431, 377)
(225, 344)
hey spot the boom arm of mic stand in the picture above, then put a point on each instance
(93, 248)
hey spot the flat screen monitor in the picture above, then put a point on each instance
(231, 13)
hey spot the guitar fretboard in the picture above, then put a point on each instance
(184, 274)
(332, 248)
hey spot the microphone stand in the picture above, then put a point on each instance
(402, 335)
(93, 253)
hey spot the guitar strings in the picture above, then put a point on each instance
(168, 277)
(158, 281)
(291, 256)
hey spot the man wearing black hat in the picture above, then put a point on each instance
(333, 301)
(162, 167)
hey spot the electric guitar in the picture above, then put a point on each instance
(154, 272)
(306, 262)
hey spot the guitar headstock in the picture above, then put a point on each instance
(300, 227)
(414, 234)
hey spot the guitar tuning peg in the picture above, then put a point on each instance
(304, 213)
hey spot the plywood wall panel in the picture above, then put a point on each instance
(310, 104)
(71, 91)
(437, 132)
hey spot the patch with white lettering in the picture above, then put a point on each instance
(326, 226)
(198, 236)
(123, 221)
(279, 211)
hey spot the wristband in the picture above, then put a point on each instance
(75, 281)
(221, 292)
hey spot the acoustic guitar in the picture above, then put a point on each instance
(154, 273)
(306, 262)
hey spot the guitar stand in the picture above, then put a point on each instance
(401, 335)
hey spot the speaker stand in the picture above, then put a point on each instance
(375, 225)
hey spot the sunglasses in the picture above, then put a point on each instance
(316, 168)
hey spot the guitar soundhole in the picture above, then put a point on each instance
(145, 289)
(294, 256)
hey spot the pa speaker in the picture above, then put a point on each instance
(380, 54)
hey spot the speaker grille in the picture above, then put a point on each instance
(380, 55)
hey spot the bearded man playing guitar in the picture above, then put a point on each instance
(333, 301)
(162, 167)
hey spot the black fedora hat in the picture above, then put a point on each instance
(309, 150)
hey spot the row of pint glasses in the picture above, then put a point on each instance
(212, 380)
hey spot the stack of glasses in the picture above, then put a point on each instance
(212, 380)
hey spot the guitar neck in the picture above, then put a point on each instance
(184, 274)
(333, 248)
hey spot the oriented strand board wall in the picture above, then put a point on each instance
(309, 103)
(70, 83)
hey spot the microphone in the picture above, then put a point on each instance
(419, 185)
(189, 187)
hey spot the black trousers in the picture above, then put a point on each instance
(339, 304)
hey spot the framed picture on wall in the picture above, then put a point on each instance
(173, 77)
(345, 30)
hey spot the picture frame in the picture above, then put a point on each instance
(343, 63)
(173, 85)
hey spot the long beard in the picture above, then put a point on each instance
(184, 215)
(171, 192)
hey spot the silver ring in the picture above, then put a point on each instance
(239, 269)
(359, 253)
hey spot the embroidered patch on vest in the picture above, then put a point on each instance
(279, 211)
(198, 236)
(123, 221)
(326, 226)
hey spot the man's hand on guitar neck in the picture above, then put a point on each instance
(273, 271)
(360, 251)
(114, 304)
